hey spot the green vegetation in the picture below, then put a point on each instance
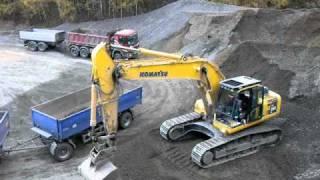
(54, 11)
(273, 3)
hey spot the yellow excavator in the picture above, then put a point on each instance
(228, 112)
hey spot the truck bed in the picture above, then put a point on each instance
(69, 115)
(65, 106)
(88, 40)
(43, 35)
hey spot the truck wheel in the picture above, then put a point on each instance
(74, 50)
(42, 46)
(61, 151)
(32, 46)
(125, 119)
(84, 52)
(117, 55)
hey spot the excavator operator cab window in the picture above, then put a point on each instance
(244, 99)
(226, 104)
(243, 107)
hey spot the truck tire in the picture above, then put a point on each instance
(61, 151)
(42, 46)
(117, 55)
(74, 50)
(84, 52)
(125, 119)
(32, 46)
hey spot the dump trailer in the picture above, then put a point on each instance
(62, 120)
(41, 39)
(4, 128)
(81, 44)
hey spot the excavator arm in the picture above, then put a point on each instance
(159, 66)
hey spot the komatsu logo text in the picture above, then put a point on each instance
(154, 74)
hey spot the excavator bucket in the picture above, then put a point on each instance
(94, 172)
(98, 166)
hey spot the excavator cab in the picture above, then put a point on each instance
(241, 103)
(236, 106)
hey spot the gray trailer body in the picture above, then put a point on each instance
(41, 39)
(43, 35)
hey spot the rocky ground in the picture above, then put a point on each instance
(280, 47)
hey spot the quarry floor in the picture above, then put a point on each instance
(29, 78)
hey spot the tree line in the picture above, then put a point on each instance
(42, 11)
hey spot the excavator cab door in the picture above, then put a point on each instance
(256, 103)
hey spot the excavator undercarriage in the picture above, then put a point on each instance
(219, 148)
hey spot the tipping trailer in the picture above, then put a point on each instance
(81, 44)
(62, 120)
(41, 39)
(4, 128)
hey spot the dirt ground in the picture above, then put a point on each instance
(280, 47)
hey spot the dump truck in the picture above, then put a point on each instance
(81, 44)
(4, 128)
(62, 120)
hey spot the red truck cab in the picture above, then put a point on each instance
(124, 37)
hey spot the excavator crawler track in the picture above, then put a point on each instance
(221, 149)
(169, 129)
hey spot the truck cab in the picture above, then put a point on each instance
(126, 38)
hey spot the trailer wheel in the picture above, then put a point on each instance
(42, 46)
(125, 119)
(74, 50)
(84, 52)
(117, 55)
(61, 151)
(32, 46)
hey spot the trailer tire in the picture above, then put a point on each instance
(125, 119)
(74, 50)
(117, 55)
(42, 46)
(84, 52)
(32, 46)
(61, 151)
